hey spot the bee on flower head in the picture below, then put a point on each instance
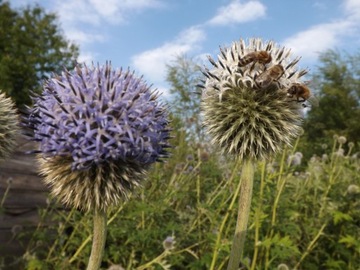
(266, 78)
(302, 94)
(262, 57)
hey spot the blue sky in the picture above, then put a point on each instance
(148, 34)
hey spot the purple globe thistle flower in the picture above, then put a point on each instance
(98, 130)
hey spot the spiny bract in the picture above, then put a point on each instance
(98, 131)
(245, 105)
(9, 126)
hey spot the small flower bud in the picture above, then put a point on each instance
(16, 229)
(282, 266)
(294, 160)
(116, 267)
(353, 189)
(189, 157)
(340, 152)
(169, 243)
(204, 156)
(341, 140)
(9, 181)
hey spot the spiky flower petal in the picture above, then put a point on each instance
(99, 130)
(9, 126)
(246, 104)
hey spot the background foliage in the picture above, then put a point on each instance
(31, 47)
(337, 86)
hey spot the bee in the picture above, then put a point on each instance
(262, 57)
(302, 94)
(269, 76)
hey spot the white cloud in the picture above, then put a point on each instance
(82, 37)
(87, 58)
(152, 63)
(84, 21)
(318, 38)
(115, 11)
(95, 12)
(237, 12)
(352, 7)
(73, 12)
(310, 42)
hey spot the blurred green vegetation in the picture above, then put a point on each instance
(305, 218)
(336, 84)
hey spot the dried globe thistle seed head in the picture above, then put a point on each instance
(9, 126)
(248, 106)
(98, 130)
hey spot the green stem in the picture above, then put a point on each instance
(280, 186)
(247, 177)
(311, 245)
(5, 194)
(87, 240)
(258, 217)
(99, 238)
(229, 209)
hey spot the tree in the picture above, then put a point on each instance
(183, 75)
(337, 85)
(31, 47)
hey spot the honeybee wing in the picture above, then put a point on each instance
(263, 80)
(314, 101)
(270, 75)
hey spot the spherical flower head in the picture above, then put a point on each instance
(251, 99)
(341, 139)
(98, 130)
(9, 126)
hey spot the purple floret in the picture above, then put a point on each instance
(98, 115)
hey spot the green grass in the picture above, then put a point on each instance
(305, 216)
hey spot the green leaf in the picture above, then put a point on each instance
(339, 217)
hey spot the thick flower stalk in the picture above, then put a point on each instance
(99, 130)
(252, 100)
(9, 126)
